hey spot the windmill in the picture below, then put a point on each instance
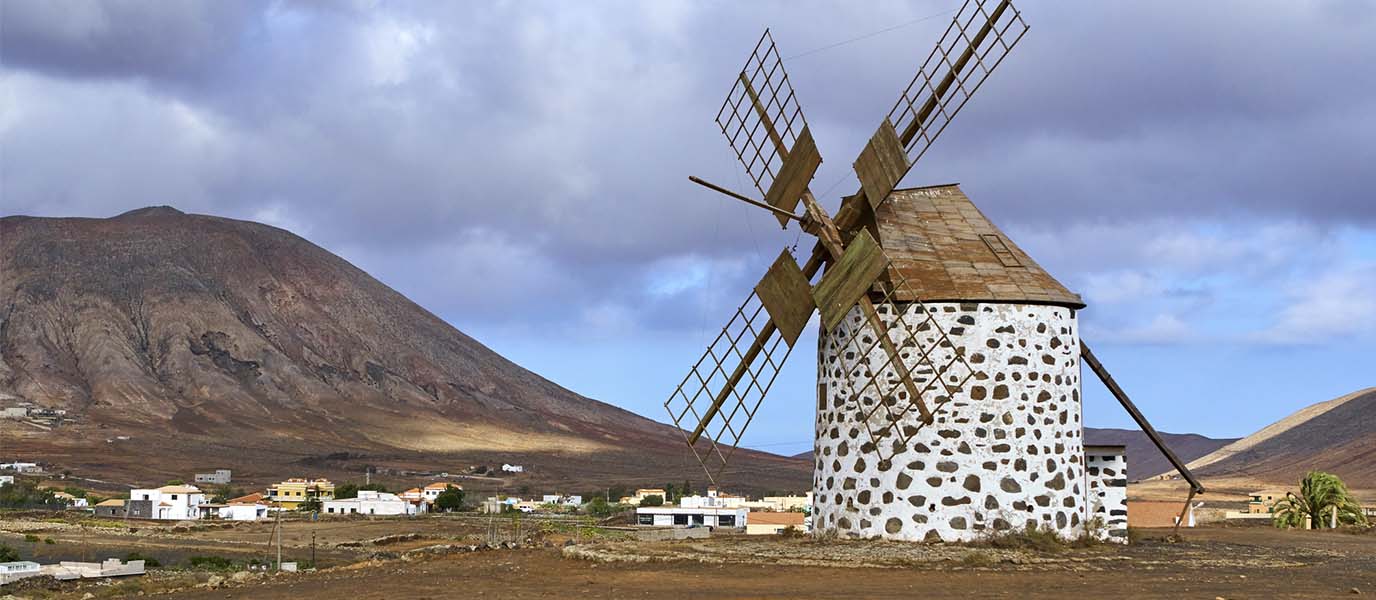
(948, 389)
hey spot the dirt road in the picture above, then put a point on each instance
(1211, 563)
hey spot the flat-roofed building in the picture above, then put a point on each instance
(169, 502)
(294, 492)
(369, 502)
(773, 523)
(219, 477)
(677, 516)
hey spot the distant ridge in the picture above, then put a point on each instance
(1144, 459)
(1337, 435)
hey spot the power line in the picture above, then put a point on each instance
(873, 33)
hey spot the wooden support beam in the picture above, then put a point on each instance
(764, 117)
(1098, 368)
(778, 212)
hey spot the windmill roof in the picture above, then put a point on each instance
(947, 250)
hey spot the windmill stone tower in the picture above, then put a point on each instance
(948, 394)
(1005, 449)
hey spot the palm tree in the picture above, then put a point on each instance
(1320, 493)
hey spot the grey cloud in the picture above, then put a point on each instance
(123, 38)
(561, 133)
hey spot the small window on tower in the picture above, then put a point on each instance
(1000, 250)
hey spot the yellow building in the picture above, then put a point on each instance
(290, 494)
(644, 493)
(1264, 501)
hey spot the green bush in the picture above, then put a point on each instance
(212, 563)
(451, 499)
(148, 561)
(8, 553)
(31, 538)
(24, 493)
(1032, 537)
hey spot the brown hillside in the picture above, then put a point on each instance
(215, 342)
(1338, 436)
(1144, 459)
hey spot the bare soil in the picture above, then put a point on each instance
(369, 559)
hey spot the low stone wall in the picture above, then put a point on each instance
(674, 533)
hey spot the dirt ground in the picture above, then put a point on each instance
(369, 559)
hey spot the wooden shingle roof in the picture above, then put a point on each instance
(947, 250)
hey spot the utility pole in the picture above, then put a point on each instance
(313, 565)
(278, 527)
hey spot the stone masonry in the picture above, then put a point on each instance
(1106, 476)
(1004, 452)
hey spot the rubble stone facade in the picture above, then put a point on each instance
(1106, 476)
(1005, 451)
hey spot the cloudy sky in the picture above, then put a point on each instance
(1203, 175)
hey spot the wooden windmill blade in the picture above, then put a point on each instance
(718, 398)
(882, 384)
(975, 43)
(764, 124)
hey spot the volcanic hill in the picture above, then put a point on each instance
(178, 343)
(1338, 436)
(1144, 459)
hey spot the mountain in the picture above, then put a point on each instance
(1338, 436)
(1144, 460)
(179, 342)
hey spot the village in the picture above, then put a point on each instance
(182, 538)
(415, 300)
(211, 497)
(404, 519)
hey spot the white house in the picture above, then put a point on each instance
(14, 571)
(70, 500)
(786, 503)
(677, 516)
(169, 502)
(430, 492)
(513, 468)
(234, 511)
(370, 502)
(6, 479)
(561, 500)
(21, 467)
(713, 499)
